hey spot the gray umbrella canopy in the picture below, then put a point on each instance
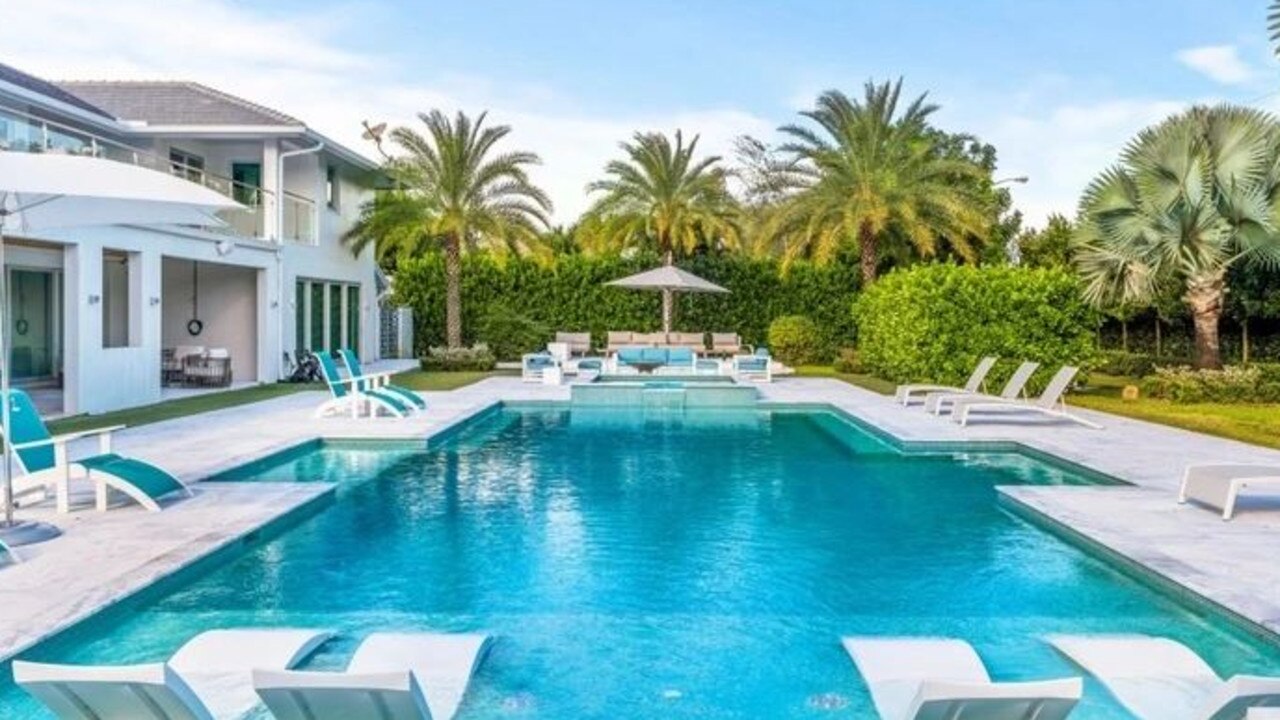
(668, 279)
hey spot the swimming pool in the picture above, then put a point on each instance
(656, 565)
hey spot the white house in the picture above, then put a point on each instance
(95, 308)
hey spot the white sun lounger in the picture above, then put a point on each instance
(209, 677)
(944, 679)
(1161, 679)
(1052, 402)
(406, 676)
(974, 384)
(936, 402)
(1219, 485)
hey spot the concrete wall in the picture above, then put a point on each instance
(228, 309)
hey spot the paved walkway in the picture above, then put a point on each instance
(104, 557)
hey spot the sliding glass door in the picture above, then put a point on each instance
(327, 315)
(35, 323)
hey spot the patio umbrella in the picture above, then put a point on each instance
(669, 279)
(40, 191)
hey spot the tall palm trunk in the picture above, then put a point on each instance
(1204, 298)
(453, 291)
(868, 249)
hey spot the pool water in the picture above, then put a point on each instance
(680, 565)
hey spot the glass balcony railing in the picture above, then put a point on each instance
(21, 132)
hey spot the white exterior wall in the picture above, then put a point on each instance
(98, 379)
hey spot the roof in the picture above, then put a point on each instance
(14, 76)
(174, 103)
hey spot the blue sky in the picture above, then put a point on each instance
(1057, 86)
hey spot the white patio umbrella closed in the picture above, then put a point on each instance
(668, 279)
(40, 191)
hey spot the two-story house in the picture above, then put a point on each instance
(94, 309)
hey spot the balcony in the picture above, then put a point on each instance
(21, 132)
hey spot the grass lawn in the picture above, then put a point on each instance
(869, 382)
(1252, 423)
(170, 409)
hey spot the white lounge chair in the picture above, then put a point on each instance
(936, 402)
(351, 395)
(756, 367)
(944, 679)
(1052, 402)
(1161, 679)
(209, 677)
(977, 379)
(1219, 485)
(407, 676)
(533, 366)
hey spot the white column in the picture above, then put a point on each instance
(271, 184)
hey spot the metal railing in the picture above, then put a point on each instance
(23, 132)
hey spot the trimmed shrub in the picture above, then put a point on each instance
(848, 361)
(1128, 364)
(569, 293)
(510, 334)
(794, 340)
(933, 322)
(1232, 384)
(477, 357)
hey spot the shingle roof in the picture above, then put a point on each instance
(174, 103)
(16, 77)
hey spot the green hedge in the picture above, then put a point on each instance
(933, 322)
(570, 294)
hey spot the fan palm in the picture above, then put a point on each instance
(1191, 197)
(453, 189)
(663, 194)
(870, 173)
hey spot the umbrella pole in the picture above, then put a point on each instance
(4, 379)
(666, 310)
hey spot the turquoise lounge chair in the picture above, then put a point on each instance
(379, 381)
(43, 461)
(348, 396)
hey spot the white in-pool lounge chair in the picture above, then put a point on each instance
(1219, 485)
(936, 402)
(1161, 679)
(209, 677)
(406, 676)
(944, 679)
(977, 380)
(1052, 402)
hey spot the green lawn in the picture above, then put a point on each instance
(869, 382)
(170, 409)
(1252, 423)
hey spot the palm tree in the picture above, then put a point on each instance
(452, 189)
(869, 173)
(661, 193)
(1191, 198)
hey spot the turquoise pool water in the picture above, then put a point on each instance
(664, 565)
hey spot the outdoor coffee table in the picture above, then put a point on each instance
(646, 367)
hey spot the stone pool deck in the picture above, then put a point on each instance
(104, 557)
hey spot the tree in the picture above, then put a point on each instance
(1192, 197)
(1049, 246)
(663, 195)
(869, 173)
(453, 189)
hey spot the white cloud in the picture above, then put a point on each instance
(1220, 63)
(1061, 149)
(295, 64)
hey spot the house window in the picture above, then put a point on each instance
(186, 165)
(246, 187)
(119, 300)
(331, 189)
(327, 316)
